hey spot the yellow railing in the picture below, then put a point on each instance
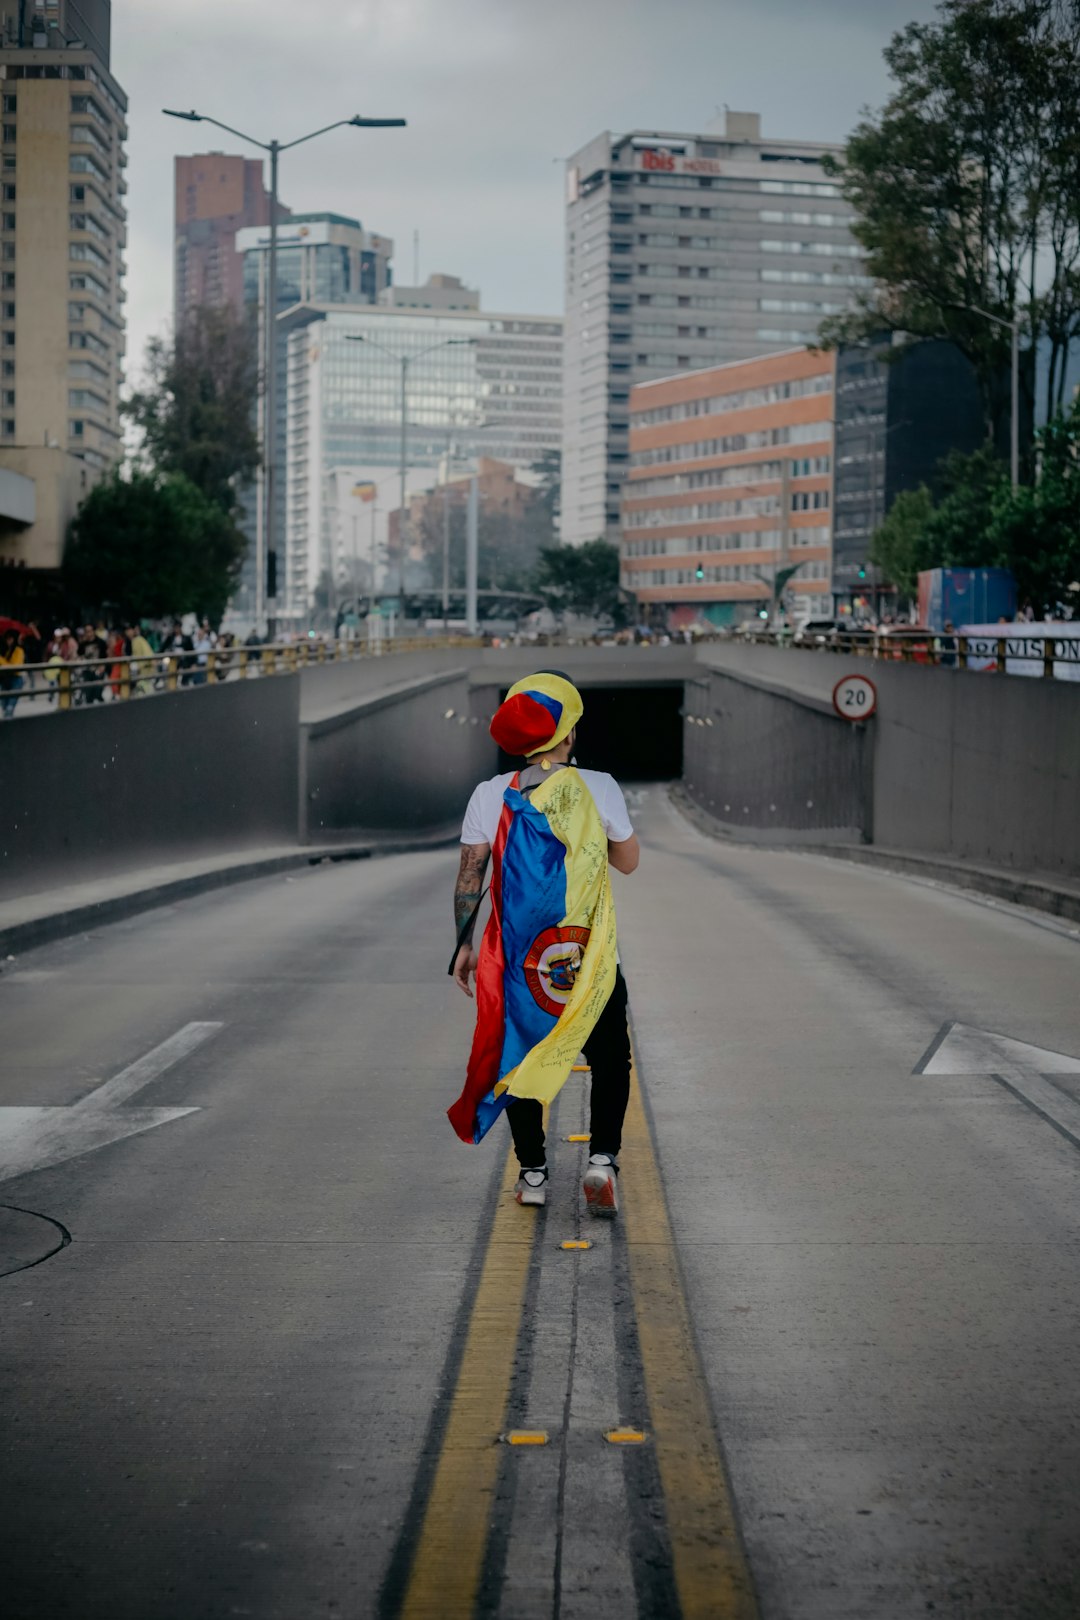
(86, 681)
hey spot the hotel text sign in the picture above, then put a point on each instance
(659, 160)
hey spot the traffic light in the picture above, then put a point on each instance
(699, 572)
(763, 613)
(862, 570)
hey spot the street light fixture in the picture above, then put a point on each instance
(266, 553)
(405, 361)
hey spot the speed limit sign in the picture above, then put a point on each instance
(854, 697)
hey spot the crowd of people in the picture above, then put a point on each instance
(107, 663)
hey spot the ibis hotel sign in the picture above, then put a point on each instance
(667, 160)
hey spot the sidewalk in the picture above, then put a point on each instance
(1055, 893)
(29, 920)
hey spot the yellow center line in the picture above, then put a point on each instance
(448, 1564)
(712, 1577)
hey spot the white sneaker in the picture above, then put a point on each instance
(601, 1185)
(532, 1186)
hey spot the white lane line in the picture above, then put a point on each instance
(37, 1138)
(123, 1086)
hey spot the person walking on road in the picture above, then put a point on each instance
(547, 974)
(12, 679)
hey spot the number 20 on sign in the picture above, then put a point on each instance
(855, 697)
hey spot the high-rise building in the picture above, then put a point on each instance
(438, 292)
(897, 418)
(488, 384)
(682, 252)
(324, 258)
(215, 195)
(63, 228)
(730, 484)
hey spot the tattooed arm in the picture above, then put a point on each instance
(467, 891)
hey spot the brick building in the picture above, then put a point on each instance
(730, 481)
(215, 196)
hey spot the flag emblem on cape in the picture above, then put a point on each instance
(547, 960)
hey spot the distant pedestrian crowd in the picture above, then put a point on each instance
(108, 663)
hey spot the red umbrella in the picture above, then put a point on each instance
(13, 624)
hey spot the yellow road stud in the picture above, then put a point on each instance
(578, 1138)
(576, 1243)
(625, 1437)
(526, 1437)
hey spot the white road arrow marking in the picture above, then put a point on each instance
(35, 1138)
(1023, 1070)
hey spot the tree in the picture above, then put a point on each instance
(898, 546)
(582, 579)
(150, 545)
(197, 411)
(966, 188)
(1037, 528)
(980, 521)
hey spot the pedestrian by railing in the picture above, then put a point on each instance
(1010, 651)
(65, 683)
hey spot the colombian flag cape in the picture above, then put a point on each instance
(547, 960)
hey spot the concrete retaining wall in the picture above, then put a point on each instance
(981, 766)
(398, 759)
(758, 757)
(121, 785)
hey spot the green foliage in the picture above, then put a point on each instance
(899, 546)
(197, 411)
(149, 545)
(582, 579)
(980, 521)
(967, 187)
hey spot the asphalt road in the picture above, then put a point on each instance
(280, 1316)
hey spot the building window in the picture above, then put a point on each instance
(9, 134)
(77, 193)
(7, 368)
(9, 427)
(9, 193)
(8, 340)
(10, 104)
(9, 160)
(9, 311)
(9, 398)
(7, 280)
(76, 429)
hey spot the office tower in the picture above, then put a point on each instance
(62, 236)
(682, 252)
(438, 292)
(215, 196)
(477, 383)
(730, 483)
(325, 258)
(896, 421)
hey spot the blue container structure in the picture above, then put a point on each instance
(966, 596)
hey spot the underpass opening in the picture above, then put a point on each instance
(633, 732)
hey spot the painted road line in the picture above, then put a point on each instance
(712, 1576)
(38, 1138)
(448, 1565)
(123, 1086)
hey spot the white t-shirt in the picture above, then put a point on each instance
(486, 805)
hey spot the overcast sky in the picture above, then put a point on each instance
(495, 91)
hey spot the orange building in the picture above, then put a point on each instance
(730, 482)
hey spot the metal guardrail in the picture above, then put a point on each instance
(86, 681)
(1013, 652)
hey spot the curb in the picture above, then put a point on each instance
(62, 924)
(1014, 888)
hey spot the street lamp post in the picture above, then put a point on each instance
(405, 361)
(266, 553)
(1013, 328)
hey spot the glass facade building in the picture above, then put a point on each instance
(485, 384)
(324, 258)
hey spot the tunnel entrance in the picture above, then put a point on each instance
(633, 732)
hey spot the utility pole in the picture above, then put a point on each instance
(472, 555)
(265, 546)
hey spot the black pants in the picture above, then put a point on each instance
(608, 1052)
